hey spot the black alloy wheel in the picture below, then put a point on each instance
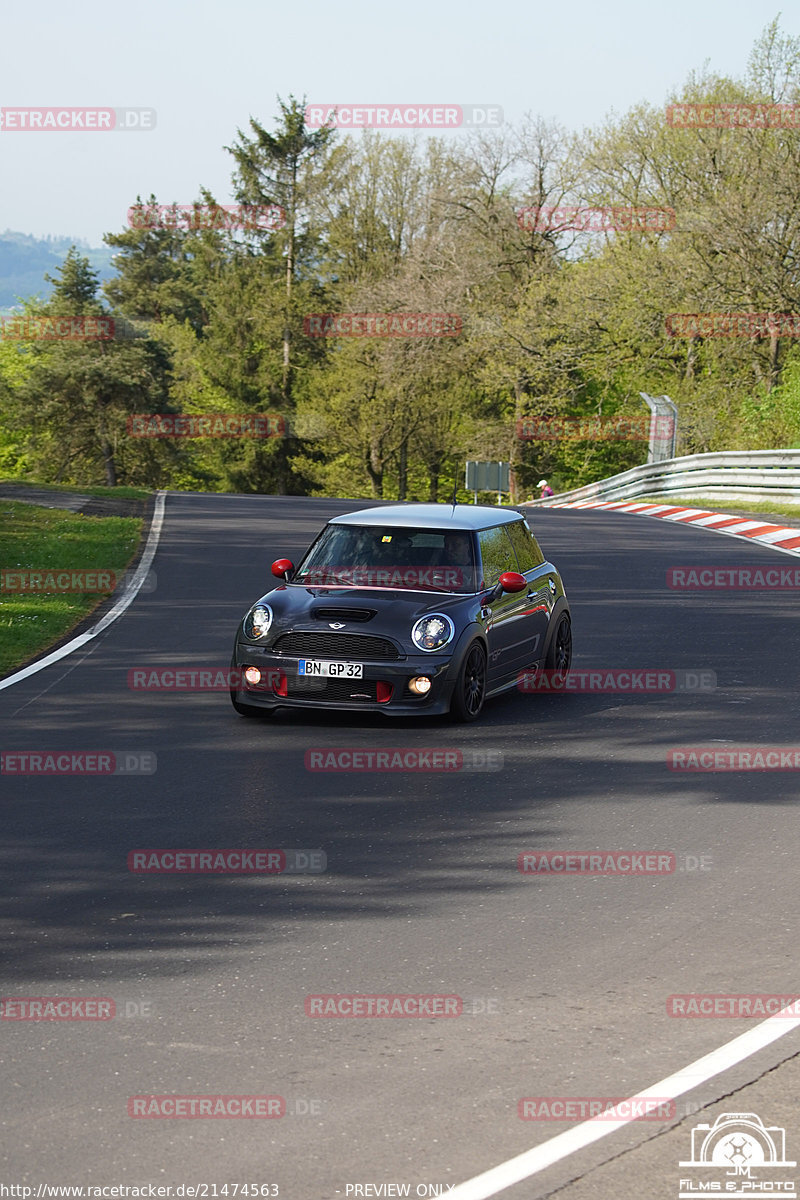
(470, 690)
(559, 657)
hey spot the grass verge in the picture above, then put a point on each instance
(119, 493)
(48, 539)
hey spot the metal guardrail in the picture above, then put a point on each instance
(725, 475)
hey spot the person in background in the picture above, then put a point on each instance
(546, 489)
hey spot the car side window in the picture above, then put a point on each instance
(497, 554)
(529, 555)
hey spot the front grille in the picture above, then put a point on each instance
(356, 647)
(357, 691)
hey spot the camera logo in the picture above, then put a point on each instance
(738, 1144)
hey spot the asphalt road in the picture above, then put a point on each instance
(564, 979)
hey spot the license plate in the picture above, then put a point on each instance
(336, 670)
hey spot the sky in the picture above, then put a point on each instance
(206, 68)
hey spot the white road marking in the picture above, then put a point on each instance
(125, 600)
(515, 1170)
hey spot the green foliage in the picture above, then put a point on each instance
(555, 322)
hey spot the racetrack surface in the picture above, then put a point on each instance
(421, 892)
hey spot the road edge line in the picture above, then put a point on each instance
(546, 1154)
(126, 599)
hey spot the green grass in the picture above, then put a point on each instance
(34, 539)
(119, 493)
(768, 507)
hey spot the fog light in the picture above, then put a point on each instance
(420, 684)
(253, 676)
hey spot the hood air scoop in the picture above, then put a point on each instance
(338, 613)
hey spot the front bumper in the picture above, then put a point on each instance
(280, 673)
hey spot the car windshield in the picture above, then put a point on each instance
(407, 559)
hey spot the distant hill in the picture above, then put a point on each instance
(24, 261)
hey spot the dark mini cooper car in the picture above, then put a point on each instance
(409, 609)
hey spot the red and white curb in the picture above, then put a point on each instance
(779, 537)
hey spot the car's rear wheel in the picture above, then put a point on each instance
(470, 690)
(559, 656)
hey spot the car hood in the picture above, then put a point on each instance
(319, 605)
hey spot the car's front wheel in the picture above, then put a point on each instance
(559, 656)
(470, 690)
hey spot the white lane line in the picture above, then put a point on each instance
(125, 600)
(515, 1170)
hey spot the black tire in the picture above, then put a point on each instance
(470, 690)
(559, 655)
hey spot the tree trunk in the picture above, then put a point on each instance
(286, 387)
(375, 471)
(287, 333)
(774, 361)
(402, 470)
(109, 465)
(281, 468)
(515, 451)
(434, 471)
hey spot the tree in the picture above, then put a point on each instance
(75, 289)
(74, 395)
(283, 169)
(163, 267)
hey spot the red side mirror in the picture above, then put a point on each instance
(512, 581)
(283, 567)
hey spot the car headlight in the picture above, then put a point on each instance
(258, 621)
(432, 632)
